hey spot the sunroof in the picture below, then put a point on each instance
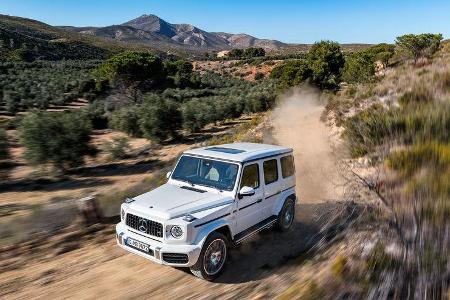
(225, 150)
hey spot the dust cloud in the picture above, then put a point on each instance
(297, 124)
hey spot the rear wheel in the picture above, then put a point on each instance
(212, 258)
(286, 215)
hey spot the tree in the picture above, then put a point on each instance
(419, 45)
(131, 67)
(4, 154)
(236, 53)
(182, 73)
(254, 52)
(291, 73)
(4, 151)
(127, 120)
(61, 139)
(359, 67)
(11, 100)
(159, 119)
(325, 61)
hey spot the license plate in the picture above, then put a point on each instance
(138, 245)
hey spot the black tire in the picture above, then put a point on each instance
(214, 240)
(286, 216)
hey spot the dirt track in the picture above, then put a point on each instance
(262, 267)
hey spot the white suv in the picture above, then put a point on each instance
(215, 197)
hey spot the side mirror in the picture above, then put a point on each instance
(246, 191)
(168, 174)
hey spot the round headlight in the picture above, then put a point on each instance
(176, 231)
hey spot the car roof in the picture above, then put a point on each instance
(239, 152)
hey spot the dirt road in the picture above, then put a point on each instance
(263, 267)
(296, 123)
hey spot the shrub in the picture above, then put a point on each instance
(58, 138)
(259, 76)
(133, 66)
(419, 45)
(4, 151)
(118, 148)
(418, 94)
(409, 125)
(291, 73)
(325, 60)
(379, 261)
(339, 266)
(127, 120)
(4, 154)
(159, 119)
(359, 67)
(254, 52)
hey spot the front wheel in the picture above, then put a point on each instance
(286, 215)
(212, 258)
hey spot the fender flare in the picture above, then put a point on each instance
(285, 196)
(203, 234)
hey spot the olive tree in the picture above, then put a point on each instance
(61, 139)
(159, 120)
(419, 45)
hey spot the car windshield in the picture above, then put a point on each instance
(212, 173)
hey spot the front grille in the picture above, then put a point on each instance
(144, 225)
(175, 258)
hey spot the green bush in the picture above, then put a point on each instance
(325, 60)
(159, 120)
(419, 45)
(418, 94)
(118, 148)
(42, 83)
(254, 52)
(291, 73)
(127, 120)
(133, 66)
(409, 125)
(61, 139)
(359, 67)
(4, 145)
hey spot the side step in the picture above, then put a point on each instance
(241, 236)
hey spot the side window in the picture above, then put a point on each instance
(250, 176)
(270, 171)
(287, 166)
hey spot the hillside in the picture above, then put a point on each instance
(27, 39)
(149, 29)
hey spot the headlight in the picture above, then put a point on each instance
(176, 231)
(122, 213)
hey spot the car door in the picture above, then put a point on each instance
(271, 186)
(249, 207)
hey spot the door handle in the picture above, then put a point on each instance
(259, 201)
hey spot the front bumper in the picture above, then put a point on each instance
(158, 248)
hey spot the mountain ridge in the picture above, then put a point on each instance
(149, 28)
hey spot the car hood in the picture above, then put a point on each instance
(171, 201)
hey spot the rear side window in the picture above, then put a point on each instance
(270, 171)
(287, 166)
(250, 176)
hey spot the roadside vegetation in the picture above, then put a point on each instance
(399, 122)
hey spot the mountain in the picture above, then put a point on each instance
(150, 29)
(26, 39)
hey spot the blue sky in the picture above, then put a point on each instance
(345, 21)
